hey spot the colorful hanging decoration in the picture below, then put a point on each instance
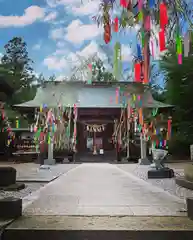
(116, 24)
(162, 40)
(123, 3)
(154, 112)
(117, 60)
(140, 4)
(169, 128)
(147, 24)
(151, 3)
(95, 128)
(139, 56)
(107, 26)
(137, 69)
(140, 116)
(117, 95)
(17, 123)
(179, 48)
(75, 126)
(89, 81)
(163, 16)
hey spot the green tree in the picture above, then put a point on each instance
(40, 79)
(100, 73)
(179, 88)
(52, 78)
(19, 71)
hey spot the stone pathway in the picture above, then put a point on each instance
(102, 189)
(167, 184)
(31, 172)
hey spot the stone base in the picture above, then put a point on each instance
(7, 176)
(49, 162)
(189, 202)
(144, 161)
(161, 173)
(10, 208)
(13, 187)
(182, 182)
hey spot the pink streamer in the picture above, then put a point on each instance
(148, 23)
(140, 4)
(179, 58)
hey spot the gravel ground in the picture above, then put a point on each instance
(30, 187)
(166, 184)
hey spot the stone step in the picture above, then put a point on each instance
(99, 227)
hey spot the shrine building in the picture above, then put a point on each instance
(97, 107)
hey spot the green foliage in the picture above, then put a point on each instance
(16, 72)
(16, 69)
(100, 74)
(179, 89)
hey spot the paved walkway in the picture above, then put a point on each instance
(102, 189)
(31, 172)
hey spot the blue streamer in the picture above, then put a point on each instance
(139, 51)
(151, 3)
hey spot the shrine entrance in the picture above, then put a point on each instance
(94, 138)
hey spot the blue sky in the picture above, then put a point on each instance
(56, 31)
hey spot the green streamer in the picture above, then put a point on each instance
(179, 45)
(117, 58)
(142, 38)
(154, 112)
(140, 16)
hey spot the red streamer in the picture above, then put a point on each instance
(137, 72)
(123, 3)
(163, 15)
(107, 33)
(116, 24)
(169, 127)
(162, 43)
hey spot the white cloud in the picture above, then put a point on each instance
(60, 52)
(57, 33)
(91, 49)
(31, 14)
(51, 16)
(55, 63)
(54, 3)
(77, 32)
(87, 8)
(77, 7)
(63, 63)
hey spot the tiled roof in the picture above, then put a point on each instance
(87, 96)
